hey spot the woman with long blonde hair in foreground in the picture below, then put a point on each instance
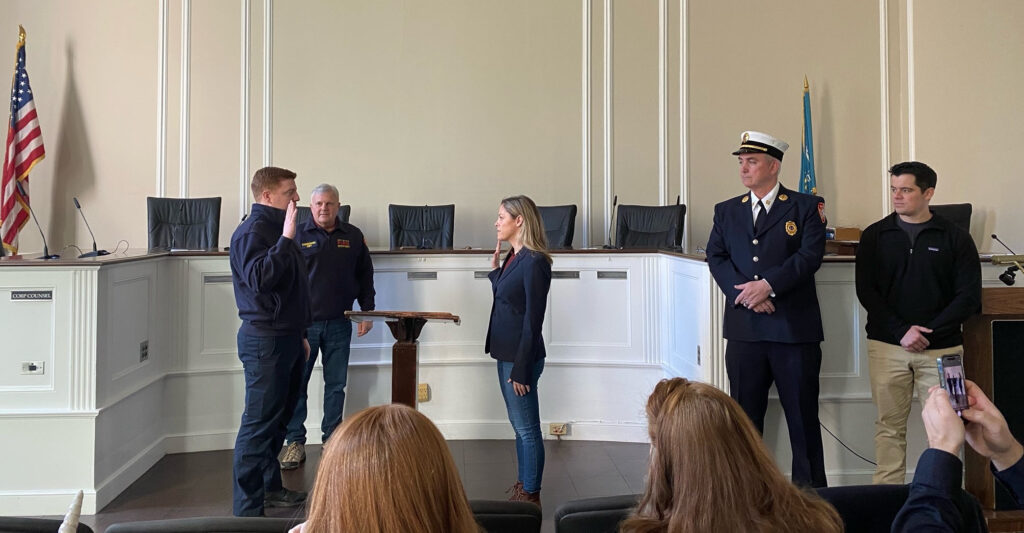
(388, 469)
(710, 471)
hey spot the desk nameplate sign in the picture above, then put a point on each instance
(31, 295)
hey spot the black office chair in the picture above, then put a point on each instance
(642, 226)
(506, 517)
(422, 226)
(192, 223)
(959, 214)
(559, 225)
(594, 515)
(18, 524)
(212, 524)
(304, 213)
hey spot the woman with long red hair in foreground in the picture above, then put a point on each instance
(710, 471)
(388, 469)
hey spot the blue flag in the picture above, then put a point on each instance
(808, 183)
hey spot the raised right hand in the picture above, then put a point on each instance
(289, 221)
(496, 258)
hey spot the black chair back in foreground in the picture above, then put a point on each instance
(594, 515)
(212, 524)
(506, 517)
(866, 508)
(559, 225)
(422, 226)
(647, 226)
(959, 214)
(189, 223)
(18, 524)
(304, 213)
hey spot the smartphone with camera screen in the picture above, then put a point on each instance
(951, 376)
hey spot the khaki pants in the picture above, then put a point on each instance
(895, 373)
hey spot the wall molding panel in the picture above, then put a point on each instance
(585, 133)
(608, 136)
(186, 88)
(244, 118)
(161, 101)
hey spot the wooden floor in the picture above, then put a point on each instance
(199, 484)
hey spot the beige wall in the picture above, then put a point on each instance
(467, 101)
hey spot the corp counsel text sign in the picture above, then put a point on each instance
(31, 295)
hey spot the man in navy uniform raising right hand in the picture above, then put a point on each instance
(764, 249)
(272, 294)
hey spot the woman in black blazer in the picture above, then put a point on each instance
(520, 287)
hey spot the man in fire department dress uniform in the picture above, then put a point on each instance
(764, 249)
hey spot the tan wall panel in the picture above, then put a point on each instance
(215, 108)
(747, 61)
(94, 82)
(635, 102)
(415, 103)
(967, 109)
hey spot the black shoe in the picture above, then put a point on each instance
(284, 498)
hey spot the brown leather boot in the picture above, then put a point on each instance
(520, 495)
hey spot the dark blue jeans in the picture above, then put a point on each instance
(273, 369)
(524, 414)
(333, 337)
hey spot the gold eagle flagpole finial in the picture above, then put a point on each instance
(21, 34)
(806, 87)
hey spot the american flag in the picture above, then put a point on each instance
(23, 150)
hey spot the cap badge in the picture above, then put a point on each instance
(790, 228)
(783, 197)
(746, 136)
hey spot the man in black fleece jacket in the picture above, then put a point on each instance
(919, 278)
(272, 294)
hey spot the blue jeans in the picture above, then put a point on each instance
(273, 369)
(333, 337)
(524, 414)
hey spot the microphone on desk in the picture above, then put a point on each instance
(1008, 277)
(611, 224)
(94, 252)
(1003, 243)
(46, 249)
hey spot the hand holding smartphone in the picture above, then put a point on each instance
(951, 377)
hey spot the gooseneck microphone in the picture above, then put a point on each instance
(1003, 243)
(611, 223)
(94, 252)
(1007, 277)
(46, 249)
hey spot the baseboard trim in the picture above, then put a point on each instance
(43, 502)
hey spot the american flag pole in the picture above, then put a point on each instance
(23, 149)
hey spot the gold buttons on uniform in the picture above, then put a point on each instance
(756, 259)
(754, 242)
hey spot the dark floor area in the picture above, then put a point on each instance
(199, 484)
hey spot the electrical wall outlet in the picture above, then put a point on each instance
(423, 392)
(33, 368)
(558, 428)
(143, 351)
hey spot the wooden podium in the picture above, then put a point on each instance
(997, 303)
(405, 327)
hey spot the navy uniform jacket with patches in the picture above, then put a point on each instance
(787, 252)
(340, 269)
(269, 276)
(520, 298)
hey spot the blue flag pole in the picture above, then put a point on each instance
(808, 182)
